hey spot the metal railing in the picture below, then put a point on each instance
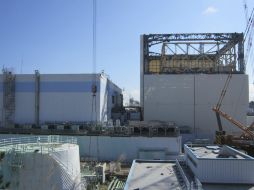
(186, 181)
(198, 184)
(53, 139)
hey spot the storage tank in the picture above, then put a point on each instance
(43, 162)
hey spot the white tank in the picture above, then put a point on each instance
(45, 162)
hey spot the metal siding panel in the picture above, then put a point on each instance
(66, 106)
(226, 171)
(25, 108)
(234, 103)
(169, 98)
(58, 104)
(25, 99)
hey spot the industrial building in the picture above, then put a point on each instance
(182, 77)
(203, 167)
(36, 99)
(153, 174)
(214, 164)
(42, 162)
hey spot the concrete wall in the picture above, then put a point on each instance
(113, 148)
(188, 99)
(63, 97)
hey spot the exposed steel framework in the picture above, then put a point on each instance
(193, 53)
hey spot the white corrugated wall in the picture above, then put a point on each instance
(188, 99)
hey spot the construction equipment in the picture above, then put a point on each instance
(221, 133)
(244, 141)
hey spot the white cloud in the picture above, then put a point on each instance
(210, 10)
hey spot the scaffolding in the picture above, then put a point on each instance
(8, 98)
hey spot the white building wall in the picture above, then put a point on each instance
(169, 98)
(25, 99)
(188, 99)
(108, 89)
(67, 98)
(104, 96)
(226, 171)
(63, 97)
(235, 103)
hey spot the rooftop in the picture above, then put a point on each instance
(150, 175)
(218, 152)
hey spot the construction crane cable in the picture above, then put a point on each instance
(94, 85)
(246, 11)
(94, 36)
(250, 20)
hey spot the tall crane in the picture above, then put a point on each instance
(245, 141)
(218, 105)
(221, 137)
(246, 12)
(249, 32)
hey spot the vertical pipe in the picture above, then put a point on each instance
(142, 72)
(37, 98)
(194, 108)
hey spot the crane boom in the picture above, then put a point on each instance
(236, 123)
(218, 105)
(246, 11)
(224, 90)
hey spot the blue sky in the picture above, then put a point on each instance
(55, 36)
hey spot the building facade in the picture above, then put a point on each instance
(212, 164)
(45, 98)
(182, 77)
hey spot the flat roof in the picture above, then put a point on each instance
(217, 152)
(153, 174)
